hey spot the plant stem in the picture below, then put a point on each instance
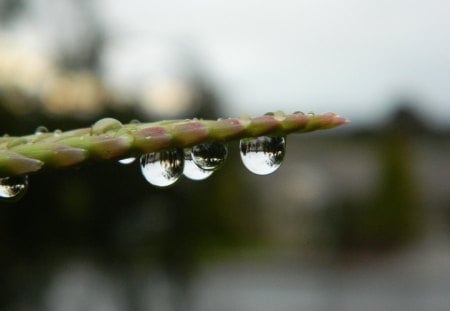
(108, 139)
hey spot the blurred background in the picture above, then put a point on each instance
(356, 218)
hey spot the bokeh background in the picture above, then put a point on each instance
(356, 218)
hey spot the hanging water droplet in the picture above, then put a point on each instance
(127, 160)
(262, 155)
(192, 170)
(162, 168)
(41, 130)
(209, 156)
(13, 188)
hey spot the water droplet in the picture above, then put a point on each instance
(299, 112)
(192, 171)
(13, 188)
(104, 125)
(209, 156)
(57, 133)
(162, 168)
(41, 130)
(262, 155)
(127, 160)
(135, 121)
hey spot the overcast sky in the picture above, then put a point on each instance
(349, 56)
(352, 57)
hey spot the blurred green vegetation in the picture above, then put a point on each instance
(393, 214)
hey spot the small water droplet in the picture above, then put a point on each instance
(192, 171)
(41, 130)
(13, 188)
(162, 168)
(104, 125)
(127, 160)
(269, 114)
(57, 133)
(262, 155)
(135, 121)
(209, 156)
(299, 112)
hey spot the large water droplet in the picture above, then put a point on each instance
(127, 160)
(13, 188)
(162, 168)
(192, 171)
(262, 155)
(209, 156)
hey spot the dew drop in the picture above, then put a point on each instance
(262, 155)
(127, 160)
(192, 170)
(41, 130)
(104, 125)
(57, 133)
(162, 168)
(209, 156)
(13, 188)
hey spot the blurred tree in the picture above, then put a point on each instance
(9, 10)
(393, 215)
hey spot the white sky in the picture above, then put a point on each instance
(350, 56)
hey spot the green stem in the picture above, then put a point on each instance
(108, 139)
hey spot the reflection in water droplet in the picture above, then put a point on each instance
(209, 156)
(41, 130)
(192, 171)
(127, 160)
(13, 188)
(262, 155)
(162, 168)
